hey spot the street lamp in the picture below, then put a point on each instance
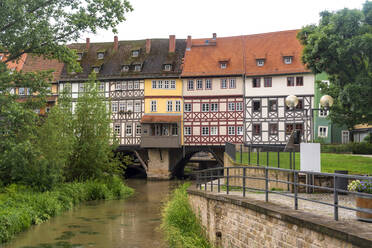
(291, 101)
(326, 101)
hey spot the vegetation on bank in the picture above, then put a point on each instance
(181, 226)
(330, 162)
(21, 207)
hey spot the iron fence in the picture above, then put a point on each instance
(218, 178)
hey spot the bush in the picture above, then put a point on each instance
(362, 148)
(182, 228)
(355, 148)
(21, 207)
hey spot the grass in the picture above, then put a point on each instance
(181, 226)
(22, 207)
(329, 161)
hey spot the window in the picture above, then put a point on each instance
(117, 129)
(96, 69)
(239, 130)
(128, 130)
(169, 106)
(187, 107)
(205, 107)
(239, 106)
(299, 81)
(190, 85)
(167, 67)
(153, 106)
(28, 91)
(273, 105)
(322, 131)
(135, 53)
(297, 126)
(21, 91)
(199, 84)
(260, 62)
(101, 87)
(125, 68)
(205, 130)
(232, 83)
(166, 84)
(256, 129)
(124, 85)
(173, 84)
(256, 83)
(114, 107)
(130, 85)
(231, 106)
(208, 84)
(137, 68)
(160, 84)
(214, 107)
(1, 57)
(231, 130)
(100, 55)
(300, 104)
(130, 106)
(136, 85)
(273, 129)
(164, 130)
(187, 131)
(300, 126)
(122, 106)
(267, 82)
(223, 83)
(214, 130)
(287, 60)
(154, 84)
(137, 106)
(223, 65)
(178, 106)
(256, 106)
(174, 129)
(290, 81)
(79, 55)
(288, 128)
(138, 129)
(37, 111)
(322, 112)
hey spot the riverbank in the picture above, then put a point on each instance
(20, 208)
(179, 223)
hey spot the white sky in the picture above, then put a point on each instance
(201, 18)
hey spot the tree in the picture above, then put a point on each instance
(92, 155)
(341, 46)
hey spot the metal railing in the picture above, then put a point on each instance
(208, 179)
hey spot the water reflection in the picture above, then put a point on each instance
(128, 223)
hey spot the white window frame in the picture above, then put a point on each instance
(204, 131)
(166, 84)
(118, 86)
(260, 62)
(199, 84)
(21, 91)
(322, 112)
(187, 107)
(100, 55)
(101, 87)
(223, 65)
(214, 130)
(205, 107)
(137, 67)
(239, 106)
(214, 107)
(224, 83)
(128, 129)
(232, 83)
(288, 60)
(231, 130)
(239, 130)
(130, 106)
(208, 84)
(136, 85)
(124, 85)
(130, 85)
(96, 69)
(190, 84)
(187, 131)
(153, 106)
(138, 129)
(135, 53)
(231, 106)
(160, 84)
(167, 67)
(122, 106)
(137, 106)
(322, 134)
(154, 84)
(173, 84)
(178, 106)
(114, 107)
(117, 129)
(169, 106)
(125, 68)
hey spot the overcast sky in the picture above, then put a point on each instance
(201, 18)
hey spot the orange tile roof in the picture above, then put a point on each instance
(241, 53)
(203, 59)
(272, 47)
(35, 63)
(18, 64)
(161, 119)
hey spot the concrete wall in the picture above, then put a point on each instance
(234, 222)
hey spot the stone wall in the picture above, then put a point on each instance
(235, 222)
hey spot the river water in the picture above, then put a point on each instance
(130, 223)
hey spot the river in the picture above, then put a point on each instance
(130, 223)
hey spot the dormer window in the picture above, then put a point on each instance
(100, 55)
(260, 62)
(80, 56)
(167, 67)
(223, 65)
(125, 68)
(135, 53)
(137, 67)
(288, 60)
(96, 69)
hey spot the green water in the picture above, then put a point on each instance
(132, 223)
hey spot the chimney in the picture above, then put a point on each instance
(172, 43)
(214, 36)
(148, 45)
(188, 43)
(116, 43)
(87, 44)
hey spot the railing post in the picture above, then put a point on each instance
(266, 184)
(244, 175)
(212, 180)
(206, 181)
(241, 153)
(267, 158)
(201, 181)
(294, 160)
(197, 180)
(249, 155)
(295, 190)
(290, 160)
(258, 157)
(278, 159)
(335, 193)
(227, 180)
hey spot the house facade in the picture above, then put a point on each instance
(212, 78)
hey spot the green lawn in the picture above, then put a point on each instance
(329, 161)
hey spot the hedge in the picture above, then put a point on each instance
(355, 148)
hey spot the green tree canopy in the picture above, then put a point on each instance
(341, 46)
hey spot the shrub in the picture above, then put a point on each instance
(362, 148)
(355, 148)
(21, 207)
(182, 228)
